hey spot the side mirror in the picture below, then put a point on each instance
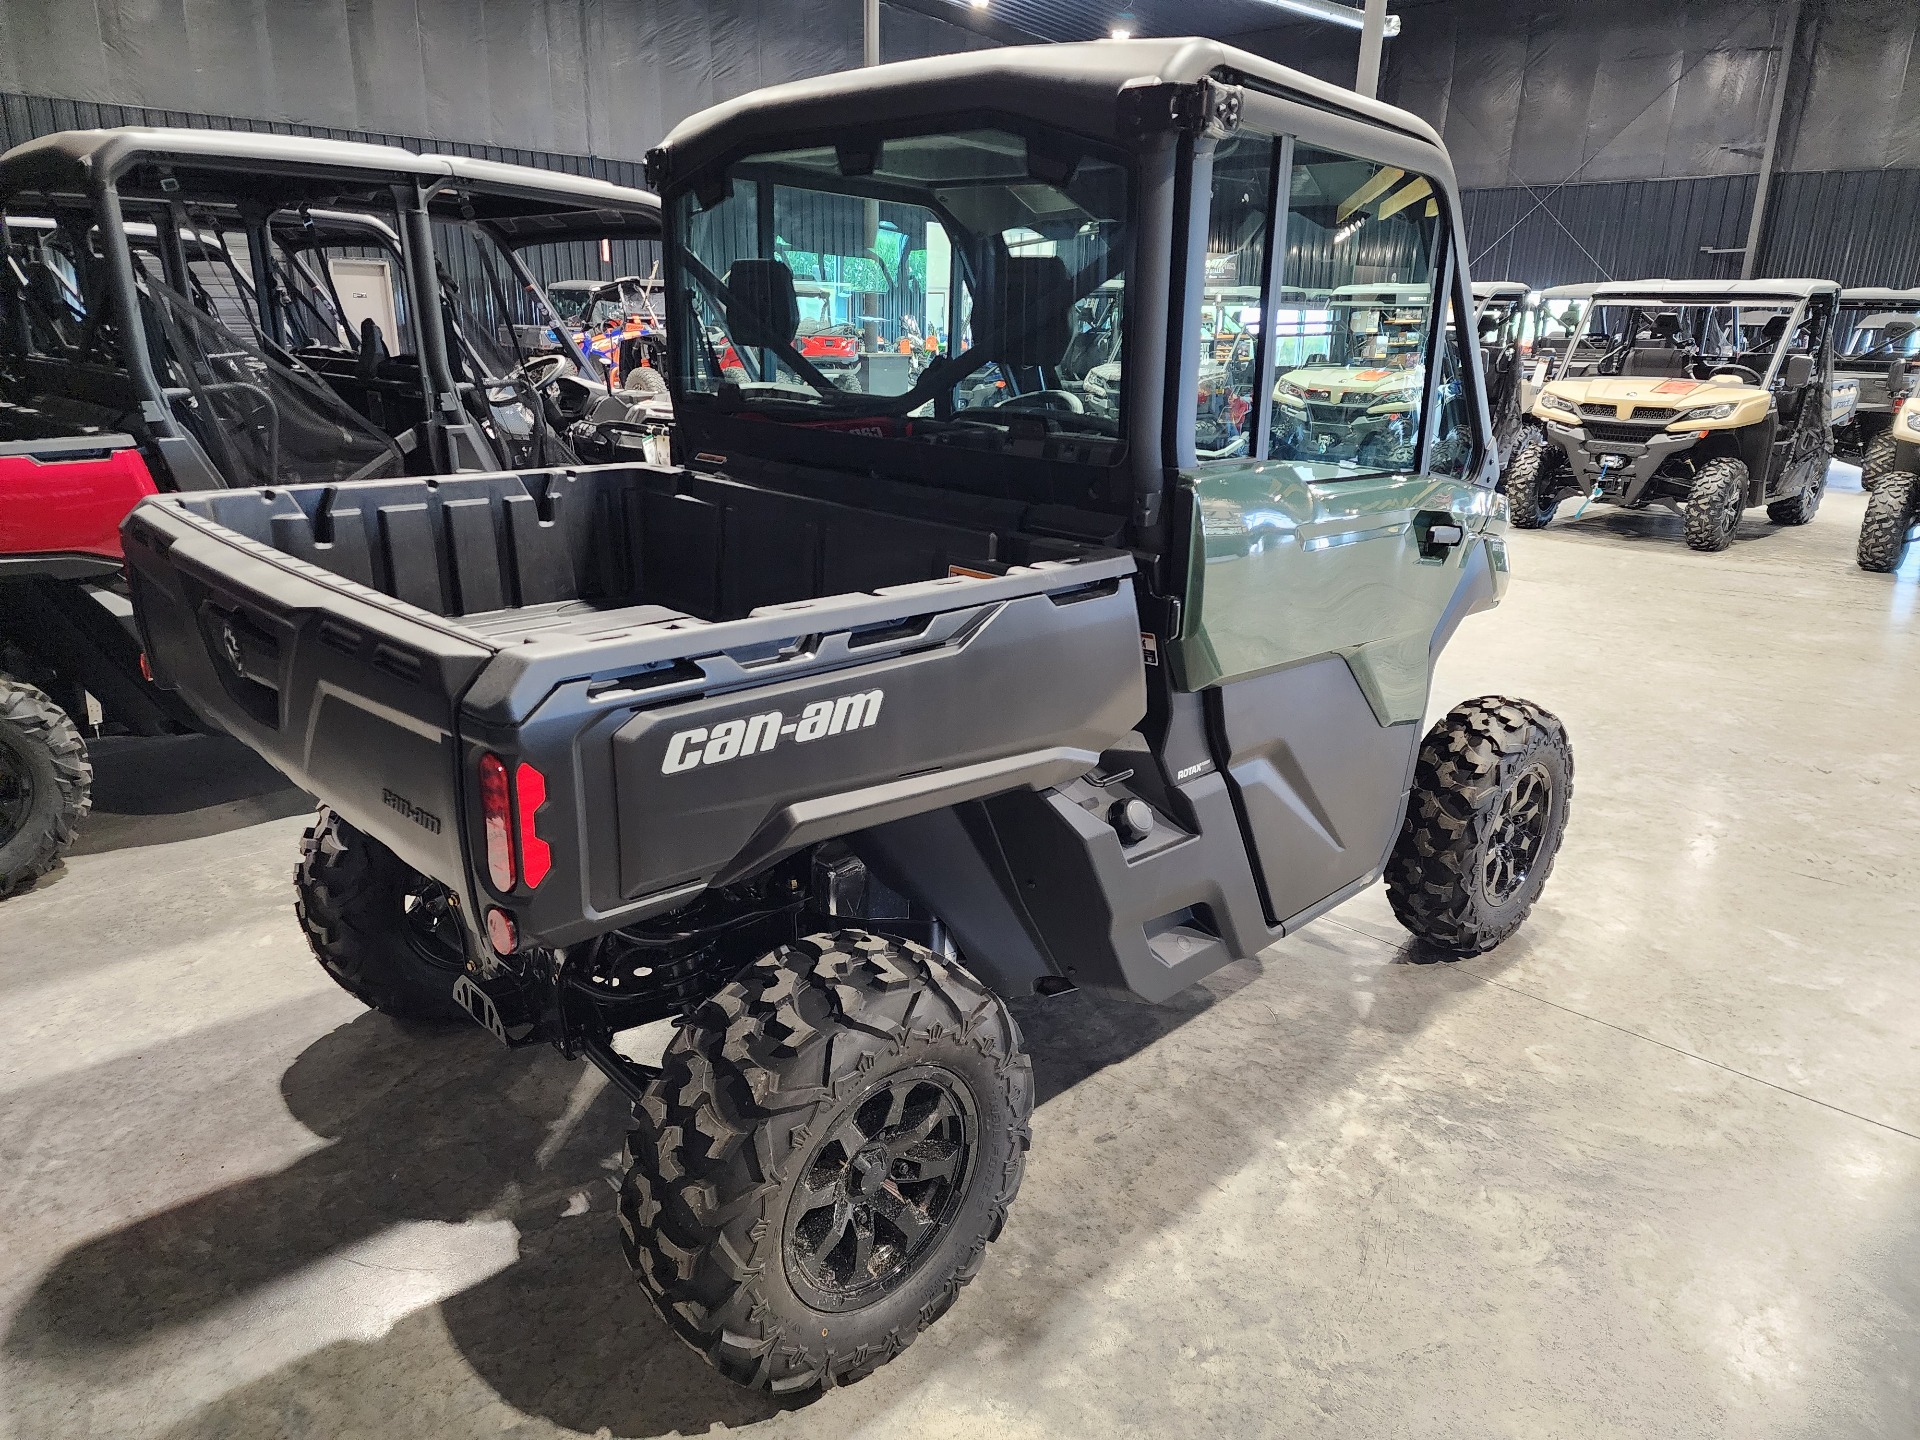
(1796, 371)
(1032, 314)
(762, 308)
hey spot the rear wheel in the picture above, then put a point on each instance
(1532, 480)
(45, 784)
(1714, 504)
(1889, 522)
(1881, 459)
(1799, 509)
(831, 1144)
(389, 936)
(1484, 821)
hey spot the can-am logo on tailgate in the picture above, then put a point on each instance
(729, 740)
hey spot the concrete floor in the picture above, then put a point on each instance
(1649, 1170)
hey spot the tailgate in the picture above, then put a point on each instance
(350, 693)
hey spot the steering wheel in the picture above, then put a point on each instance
(1044, 400)
(540, 371)
(1744, 372)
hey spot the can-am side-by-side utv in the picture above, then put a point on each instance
(201, 309)
(1704, 397)
(892, 703)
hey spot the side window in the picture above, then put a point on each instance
(1362, 238)
(1451, 449)
(1237, 223)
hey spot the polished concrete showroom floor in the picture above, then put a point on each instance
(1650, 1169)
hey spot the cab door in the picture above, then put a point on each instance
(1326, 564)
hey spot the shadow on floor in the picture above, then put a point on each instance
(156, 790)
(449, 1126)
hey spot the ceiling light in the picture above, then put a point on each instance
(1339, 14)
(979, 4)
(1119, 32)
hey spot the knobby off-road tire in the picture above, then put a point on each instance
(1889, 519)
(1881, 459)
(386, 933)
(833, 1141)
(46, 784)
(1532, 476)
(1801, 508)
(1491, 791)
(1714, 504)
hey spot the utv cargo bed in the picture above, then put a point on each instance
(686, 676)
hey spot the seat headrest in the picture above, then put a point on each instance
(763, 309)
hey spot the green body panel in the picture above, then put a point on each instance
(1289, 563)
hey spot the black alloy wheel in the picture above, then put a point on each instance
(1520, 829)
(880, 1189)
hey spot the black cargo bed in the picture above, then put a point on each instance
(371, 639)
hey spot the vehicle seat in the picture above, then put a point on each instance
(1654, 360)
(1796, 384)
(373, 350)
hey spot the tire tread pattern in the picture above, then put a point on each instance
(1465, 765)
(1530, 469)
(1713, 492)
(1889, 518)
(771, 1056)
(348, 891)
(44, 726)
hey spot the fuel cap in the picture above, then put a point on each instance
(1132, 820)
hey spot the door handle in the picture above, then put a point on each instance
(1437, 532)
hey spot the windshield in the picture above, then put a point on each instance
(1879, 333)
(950, 287)
(1682, 340)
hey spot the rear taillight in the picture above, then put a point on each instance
(509, 816)
(496, 816)
(536, 858)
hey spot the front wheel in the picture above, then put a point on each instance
(46, 784)
(1489, 805)
(389, 936)
(831, 1143)
(1532, 481)
(1889, 522)
(1714, 504)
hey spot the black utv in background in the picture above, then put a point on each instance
(901, 696)
(188, 310)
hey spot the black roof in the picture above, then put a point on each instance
(524, 203)
(204, 162)
(1075, 87)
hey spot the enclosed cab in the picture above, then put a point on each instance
(903, 696)
(1702, 397)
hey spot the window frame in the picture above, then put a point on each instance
(1288, 124)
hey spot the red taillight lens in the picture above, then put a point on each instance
(536, 857)
(502, 933)
(496, 816)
